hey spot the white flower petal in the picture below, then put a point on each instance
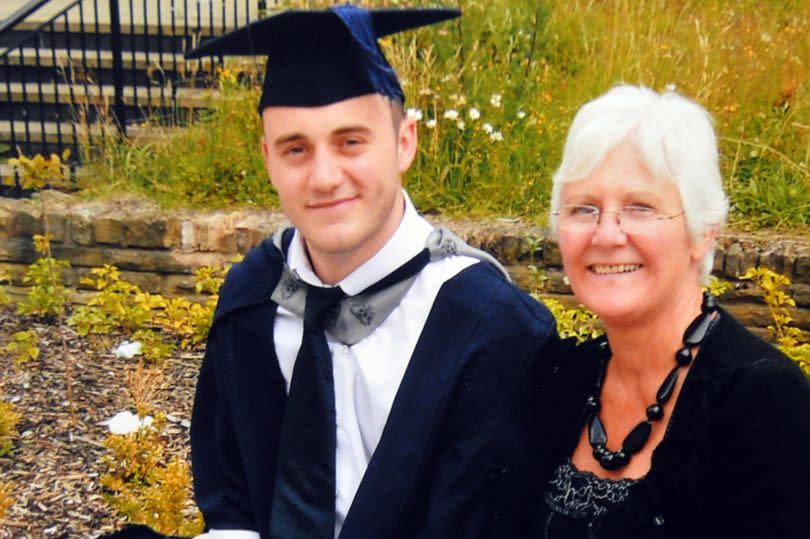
(128, 350)
(123, 423)
(414, 114)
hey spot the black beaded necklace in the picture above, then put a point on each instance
(638, 436)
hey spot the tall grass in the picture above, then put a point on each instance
(497, 89)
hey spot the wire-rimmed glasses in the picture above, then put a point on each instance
(632, 219)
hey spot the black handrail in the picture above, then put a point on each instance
(21, 14)
(20, 41)
(73, 77)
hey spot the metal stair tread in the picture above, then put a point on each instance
(28, 57)
(53, 129)
(146, 95)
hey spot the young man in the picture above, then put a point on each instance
(365, 373)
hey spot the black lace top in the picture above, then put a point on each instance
(576, 500)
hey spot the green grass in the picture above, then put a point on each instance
(747, 62)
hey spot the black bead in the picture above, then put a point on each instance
(666, 389)
(592, 405)
(696, 331)
(599, 452)
(709, 303)
(613, 461)
(596, 432)
(620, 459)
(637, 438)
(654, 412)
(683, 357)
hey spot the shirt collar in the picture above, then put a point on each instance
(407, 241)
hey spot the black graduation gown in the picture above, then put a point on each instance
(452, 459)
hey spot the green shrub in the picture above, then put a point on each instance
(791, 340)
(9, 418)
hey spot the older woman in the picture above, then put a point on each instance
(680, 423)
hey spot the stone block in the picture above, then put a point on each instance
(193, 261)
(226, 242)
(57, 227)
(732, 265)
(110, 231)
(18, 250)
(248, 238)
(154, 283)
(749, 314)
(800, 293)
(173, 236)
(557, 283)
(508, 248)
(748, 256)
(719, 258)
(150, 233)
(176, 285)
(82, 256)
(81, 223)
(772, 259)
(801, 269)
(551, 253)
(148, 261)
(6, 222)
(26, 222)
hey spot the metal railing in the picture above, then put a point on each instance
(95, 67)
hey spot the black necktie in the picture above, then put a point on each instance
(304, 494)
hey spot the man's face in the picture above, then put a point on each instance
(337, 169)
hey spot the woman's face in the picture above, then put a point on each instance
(627, 273)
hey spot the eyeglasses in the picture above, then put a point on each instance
(632, 219)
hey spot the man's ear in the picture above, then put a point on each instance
(266, 156)
(406, 144)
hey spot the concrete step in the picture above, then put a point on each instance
(92, 94)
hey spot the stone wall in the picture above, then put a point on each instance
(160, 249)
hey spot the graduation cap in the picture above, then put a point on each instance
(321, 57)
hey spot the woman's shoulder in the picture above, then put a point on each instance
(567, 368)
(738, 350)
(755, 382)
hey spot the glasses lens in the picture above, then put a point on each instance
(638, 219)
(577, 217)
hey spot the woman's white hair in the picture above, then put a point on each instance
(675, 139)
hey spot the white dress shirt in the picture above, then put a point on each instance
(367, 374)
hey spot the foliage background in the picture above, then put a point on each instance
(497, 89)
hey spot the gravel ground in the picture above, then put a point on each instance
(55, 462)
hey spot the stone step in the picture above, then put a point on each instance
(93, 94)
